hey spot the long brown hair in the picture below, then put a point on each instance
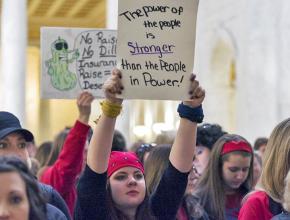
(43, 152)
(57, 146)
(210, 190)
(276, 161)
(155, 166)
(286, 202)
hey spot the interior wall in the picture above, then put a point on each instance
(222, 76)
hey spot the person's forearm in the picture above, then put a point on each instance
(182, 152)
(84, 119)
(101, 143)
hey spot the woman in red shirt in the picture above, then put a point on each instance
(276, 164)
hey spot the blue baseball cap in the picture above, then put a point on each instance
(9, 123)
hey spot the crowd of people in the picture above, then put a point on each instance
(86, 173)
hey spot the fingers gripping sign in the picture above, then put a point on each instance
(197, 93)
(113, 87)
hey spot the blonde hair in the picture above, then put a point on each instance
(164, 138)
(276, 161)
(286, 203)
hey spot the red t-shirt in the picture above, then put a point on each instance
(256, 207)
(233, 205)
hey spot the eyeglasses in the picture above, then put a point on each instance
(61, 45)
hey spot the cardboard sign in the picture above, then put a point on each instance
(155, 49)
(76, 59)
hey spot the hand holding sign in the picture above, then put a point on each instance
(156, 55)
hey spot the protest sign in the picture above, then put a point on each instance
(155, 49)
(76, 59)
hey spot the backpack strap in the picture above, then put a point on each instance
(275, 207)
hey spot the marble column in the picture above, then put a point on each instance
(13, 57)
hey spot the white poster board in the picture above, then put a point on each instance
(75, 60)
(155, 49)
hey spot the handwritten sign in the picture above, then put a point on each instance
(76, 59)
(155, 49)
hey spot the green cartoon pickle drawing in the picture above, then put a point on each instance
(58, 66)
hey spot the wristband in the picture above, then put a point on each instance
(110, 109)
(192, 114)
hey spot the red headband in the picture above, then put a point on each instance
(119, 160)
(236, 146)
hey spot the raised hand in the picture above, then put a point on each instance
(84, 102)
(196, 92)
(113, 86)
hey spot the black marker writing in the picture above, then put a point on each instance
(145, 11)
(130, 66)
(134, 81)
(87, 39)
(151, 66)
(172, 67)
(91, 64)
(89, 85)
(150, 81)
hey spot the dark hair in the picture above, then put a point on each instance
(37, 205)
(142, 149)
(207, 134)
(136, 145)
(57, 146)
(258, 157)
(260, 142)
(43, 153)
(119, 142)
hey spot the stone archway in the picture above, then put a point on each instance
(223, 82)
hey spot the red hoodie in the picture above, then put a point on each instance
(63, 174)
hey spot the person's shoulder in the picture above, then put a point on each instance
(46, 189)
(256, 206)
(54, 198)
(54, 213)
(258, 200)
(257, 195)
(282, 216)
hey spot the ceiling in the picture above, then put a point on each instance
(64, 13)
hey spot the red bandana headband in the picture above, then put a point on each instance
(120, 159)
(236, 146)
